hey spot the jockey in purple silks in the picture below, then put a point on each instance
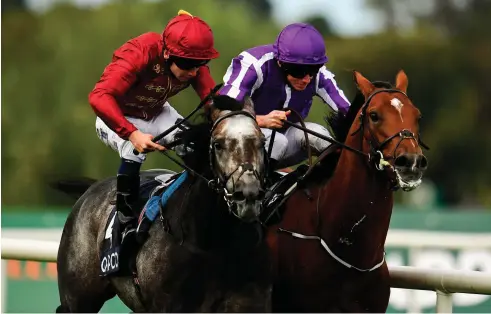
(286, 74)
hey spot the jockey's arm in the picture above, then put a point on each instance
(239, 86)
(328, 90)
(116, 79)
(203, 83)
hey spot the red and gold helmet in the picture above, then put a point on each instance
(188, 36)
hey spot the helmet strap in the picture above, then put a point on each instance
(166, 63)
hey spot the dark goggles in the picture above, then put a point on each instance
(300, 70)
(187, 64)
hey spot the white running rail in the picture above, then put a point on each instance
(443, 282)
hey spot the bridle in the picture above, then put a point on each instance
(220, 182)
(377, 147)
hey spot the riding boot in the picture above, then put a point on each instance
(127, 189)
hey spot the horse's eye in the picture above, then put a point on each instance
(217, 145)
(374, 117)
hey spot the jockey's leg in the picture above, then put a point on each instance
(296, 152)
(316, 143)
(128, 176)
(279, 147)
(166, 119)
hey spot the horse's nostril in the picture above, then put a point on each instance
(401, 161)
(423, 162)
(247, 167)
(411, 162)
(238, 196)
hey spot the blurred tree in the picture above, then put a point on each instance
(387, 7)
(321, 24)
(9, 5)
(261, 8)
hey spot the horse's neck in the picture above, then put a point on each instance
(356, 206)
(207, 223)
(200, 213)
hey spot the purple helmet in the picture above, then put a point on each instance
(300, 43)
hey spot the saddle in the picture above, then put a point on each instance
(155, 187)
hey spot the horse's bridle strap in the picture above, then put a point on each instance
(230, 114)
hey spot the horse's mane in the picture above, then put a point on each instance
(341, 124)
(197, 136)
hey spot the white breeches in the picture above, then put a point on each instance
(157, 125)
(289, 148)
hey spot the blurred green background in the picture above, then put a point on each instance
(52, 59)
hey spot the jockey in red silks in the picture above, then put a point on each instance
(130, 99)
(283, 75)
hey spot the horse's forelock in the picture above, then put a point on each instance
(224, 102)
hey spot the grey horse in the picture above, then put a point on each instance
(205, 252)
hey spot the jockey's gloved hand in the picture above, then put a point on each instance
(143, 142)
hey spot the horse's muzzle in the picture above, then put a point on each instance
(409, 169)
(248, 211)
(248, 194)
(245, 207)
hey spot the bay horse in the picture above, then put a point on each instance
(328, 249)
(204, 252)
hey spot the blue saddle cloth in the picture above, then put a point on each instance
(154, 203)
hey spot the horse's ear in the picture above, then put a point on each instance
(249, 105)
(212, 111)
(364, 85)
(401, 81)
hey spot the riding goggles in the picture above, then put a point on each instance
(300, 70)
(188, 64)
